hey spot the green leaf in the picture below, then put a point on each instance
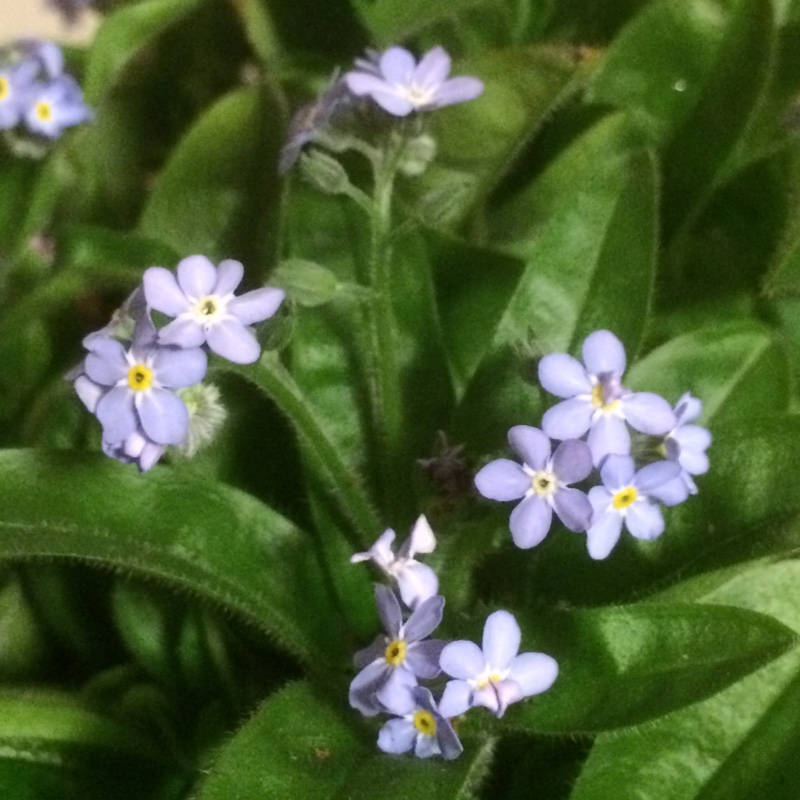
(213, 196)
(623, 665)
(302, 743)
(192, 533)
(391, 21)
(735, 369)
(739, 743)
(123, 36)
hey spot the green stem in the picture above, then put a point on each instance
(274, 380)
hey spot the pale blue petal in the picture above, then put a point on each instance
(388, 610)
(397, 65)
(424, 619)
(603, 534)
(420, 540)
(502, 480)
(617, 472)
(416, 582)
(572, 461)
(230, 339)
(364, 687)
(361, 83)
(396, 689)
(458, 90)
(162, 292)
(145, 337)
(372, 652)
(456, 699)
(688, 408)
(692, 437)
(600, 498)
(487, 697)
(380, 552)
(463, 660)
(106, 363)
(229, 276)
(654, 475)
(564, 376)
(531, 445)
(501, 638)
(196, 276)
(89, 392)
(530, 521)
(426, 746)
(648, 413)
(149, 456)
(694, 463)
(163, 415)
(422, 658)
(179, 368)
(433, 68)
(115, 411)
(644, 520)
(603, 354)
(607, 435)
(393, 103)
(185, 331)
(573, 509)
(447, 739)
(569, 419)
(507, 692)
(397, 736)
(534, 673)
(256, 306)
(672, 492)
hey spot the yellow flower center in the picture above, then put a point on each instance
(5, 88)
(599, 399)
(140, 377)
(396, 652)
(543, 483)
(44, 111)
(485, 680)
(425, 723)
(624, 497)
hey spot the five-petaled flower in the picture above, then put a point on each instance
(420, 725)
(542, 481)
(629, 497)
(494, 676)
(392, 663)
(596, 401)
(416, 581)
(205, 310)
(399, 85)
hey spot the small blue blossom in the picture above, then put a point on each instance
(416, 582)
(205, 310)
(420, 727)
(392, 663)
(493, 676)
(399, 85)
(687, 443)
(14, 81)
(542, 481)
(138, 386)
(54, 106)
(596, 401)
(137, 449)
(628, 497)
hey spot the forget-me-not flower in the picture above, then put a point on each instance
(52, 107)
(628, 497)
(421, 726)
(140, 383)
(392, 663)
(687, 443)
(596, 401)
(205, 309)
(416, 581)
(542, 481)
(399, 85)
(137, 449)
(493, 676)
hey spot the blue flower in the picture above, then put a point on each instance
(596, 400)
(687, 443)
(628, 497)
(542, 481)
(494, 676)
(420, 726)
(399, 85)
(392, 663)
(138, 386)
(53, 106)
(136, 449)
(13, 82)
(205, 310)
(416, 581)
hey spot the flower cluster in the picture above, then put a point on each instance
(36, 95)
(594, 424)
(494, 675)
(136, 379)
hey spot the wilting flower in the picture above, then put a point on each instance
(494, 676)
(542, 481)
(399, 85)
(629, 497)
(205, 309)
(392, 663)
(420, 726)
(416, 581)
(596, 400)
(139, 385)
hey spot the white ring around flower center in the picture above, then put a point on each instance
(209, 309)
(544, 483)
(418, 96)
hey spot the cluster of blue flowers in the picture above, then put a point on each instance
(37, 97)
(598, 407)
(494, 675)
(135, 377)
